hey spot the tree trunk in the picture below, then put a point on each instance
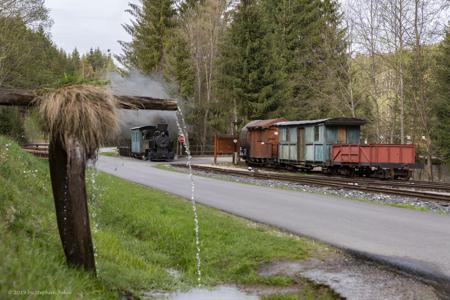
(67, 170)
(373, 75)
(422, 105)
(401, 73)
(429, 160)
(402, 106)
(205, 130)
(350, 89)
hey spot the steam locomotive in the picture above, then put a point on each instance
(151, 143)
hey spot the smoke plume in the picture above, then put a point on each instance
(137, 84)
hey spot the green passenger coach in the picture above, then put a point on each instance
(305, 144)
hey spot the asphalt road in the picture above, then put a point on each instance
(416, 241)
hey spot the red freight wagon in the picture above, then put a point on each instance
(387, 161)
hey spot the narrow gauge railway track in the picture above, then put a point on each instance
(38, 150)
(416, 184)
(421, 185)
(434, 185)
(372, 186)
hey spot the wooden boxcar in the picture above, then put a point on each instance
(259, 141)
(307, 144)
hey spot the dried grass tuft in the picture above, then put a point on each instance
(86, 113)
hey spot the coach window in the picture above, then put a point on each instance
(316, 133)
(283, 135)
(293, 135)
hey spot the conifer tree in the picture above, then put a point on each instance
(149, 29)
(246, 74)
(307, 47)
(75, 61)
(179, 66)
(442, 106)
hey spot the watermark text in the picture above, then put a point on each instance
(38, 292)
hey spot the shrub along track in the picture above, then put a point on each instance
(418, 189)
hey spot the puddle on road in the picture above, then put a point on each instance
(217, 293)
(346, 276)
(353, 279)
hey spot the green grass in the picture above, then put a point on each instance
(112, 154)
(167, 167)
(308, 291)
(139, 234)
(32, 257)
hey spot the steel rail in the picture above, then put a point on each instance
(417, 184)
(382, 183)
(326, 181)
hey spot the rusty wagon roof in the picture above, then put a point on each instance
(328, 121)
(263, 124)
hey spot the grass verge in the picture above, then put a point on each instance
(142, 238)
(111, 154)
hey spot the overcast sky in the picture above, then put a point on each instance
(93, 23)
(88, 23)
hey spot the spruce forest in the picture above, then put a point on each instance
(385, 61)
(233, 61)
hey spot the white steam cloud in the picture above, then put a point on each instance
(137, 84)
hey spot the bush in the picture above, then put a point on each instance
(11, 124)
(33, 127)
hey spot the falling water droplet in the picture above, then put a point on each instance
(93, 206)
(182, 129)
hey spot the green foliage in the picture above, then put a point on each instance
(74, 79)
(29, 59)
(283, 58)
(311, 66)
(24, 44)
(33, 126)
(179, 67)
(93, 66)
(442, 104)
(74, 62)
(11, 123)
(150, 27)
(309, 291)
(246, 74)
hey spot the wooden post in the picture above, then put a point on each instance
(67, 170)
(215, 149)
(236, 157)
